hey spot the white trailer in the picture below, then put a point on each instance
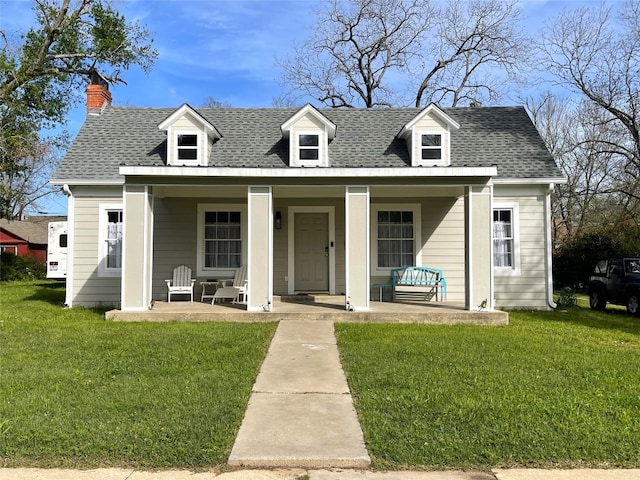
(57, 251)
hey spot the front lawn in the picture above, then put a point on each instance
(552, 389)
(79, 391)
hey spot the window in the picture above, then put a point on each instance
(187, 145)
(222, 240)
(506, 245)
(632, 265)
(110, 238)
(114, 239)
(309, 147)
(431, 146)
(502, 238)
(63, 240)
(395, 237)
(601, 267)
(9, 249)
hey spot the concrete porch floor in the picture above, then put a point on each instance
(315, 307)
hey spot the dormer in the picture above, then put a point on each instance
(428, 137)
(189, 137)
(309, 133)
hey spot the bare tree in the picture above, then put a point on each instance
(353, 47)
(284, 102)
(211, 102)
(575, 135)
(479, 47)
(597, 55)
(23, 187)
(361, 52)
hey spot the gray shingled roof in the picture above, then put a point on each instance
(501, 136)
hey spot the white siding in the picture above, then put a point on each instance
(88, 288)
(443, 235)
(527, 290)
(175, 238)
(442, 225)
(442, 238)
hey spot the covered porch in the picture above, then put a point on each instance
(315, 307)
(320, 232)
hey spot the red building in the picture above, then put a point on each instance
(26, 237)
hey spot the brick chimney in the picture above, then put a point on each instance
(98, 95)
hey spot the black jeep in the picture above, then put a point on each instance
(617, 281)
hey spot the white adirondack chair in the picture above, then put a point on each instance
(239, 283)
(182, 283)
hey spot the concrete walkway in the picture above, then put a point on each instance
(300, 413)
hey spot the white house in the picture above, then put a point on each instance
(310, 200)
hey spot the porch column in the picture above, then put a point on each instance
(357, 248)
(478, 247)
(137, 248)
(260, 249)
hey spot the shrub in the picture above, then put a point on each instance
(575, 259)
(567, 299)
(13, 267)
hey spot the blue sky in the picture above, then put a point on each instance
(225, 49)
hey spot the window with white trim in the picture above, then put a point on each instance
(396, 243)
(503, 237)
(506, 245)
(9, 249)
(395, 236)
(187, 147)
(431, 146)
(221, 239)
(110, 238)
(309, 147)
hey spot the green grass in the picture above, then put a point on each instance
(79, 391)
(553, 389)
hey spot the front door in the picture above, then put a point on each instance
(311, 252)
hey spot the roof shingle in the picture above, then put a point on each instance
(501, 136)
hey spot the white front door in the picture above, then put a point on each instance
(311, 252)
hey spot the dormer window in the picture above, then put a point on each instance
(309, 147)
(428, 137)
(189, 137)
(187, 145)
(431, 146)
(309, 133)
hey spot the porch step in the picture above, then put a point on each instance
(325, 307)
(300, 298)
